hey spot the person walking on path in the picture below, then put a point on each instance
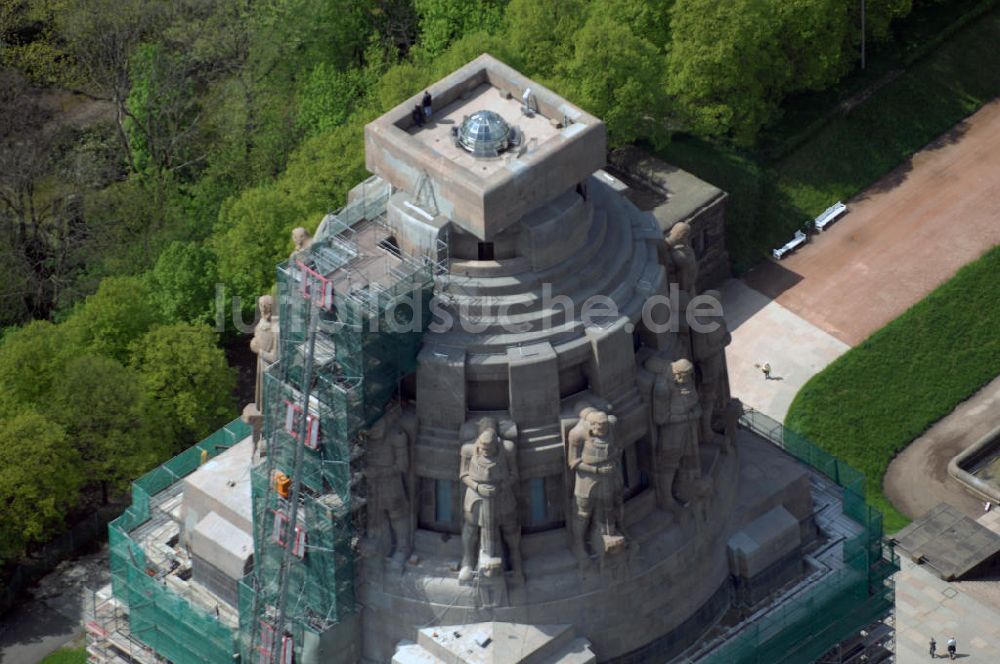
(952, 647)
(765, 369)
(933, 648)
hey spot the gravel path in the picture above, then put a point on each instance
(917, 479)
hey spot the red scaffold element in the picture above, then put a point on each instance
(316, 287)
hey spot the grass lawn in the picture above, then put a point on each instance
(875, 399)
(769, 200)
(67, 656)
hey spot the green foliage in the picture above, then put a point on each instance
(254, 230)
(540, 33)
(328, 96)
(158, 101)
(67, 656)
(182, 283)
(253, 233)
(855, 149)
(100, 404)
(731, 64)
(769, 201)
(616, 75)
(921, 365)
(444, 21)
(110, 321)
(31, 361)
(40, 480)
(185, 375)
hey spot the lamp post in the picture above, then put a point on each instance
(862, 34)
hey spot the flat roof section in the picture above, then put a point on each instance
(436, 135)
(950, 543)
(485, 196)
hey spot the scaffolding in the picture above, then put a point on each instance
(843, 603)
(352, 311)
(147, 611)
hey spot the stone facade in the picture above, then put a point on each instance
(674, 196)
(539, 492)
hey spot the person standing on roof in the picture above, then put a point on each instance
(426, 102)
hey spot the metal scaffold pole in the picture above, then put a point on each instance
(282, 600)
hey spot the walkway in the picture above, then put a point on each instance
(917, 479)
(903, 236)
(765, 331)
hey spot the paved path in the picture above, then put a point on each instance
(765, 331)
(926, 606)
(53, 615)
(917, 479)
(903, 236)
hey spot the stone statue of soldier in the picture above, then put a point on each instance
(386, 461)
(709, 351)
(489, 472)
(598, 489)
(302, 241)
(264, 344)
(676, 411)
(683, 262)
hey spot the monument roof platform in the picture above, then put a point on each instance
(949, 542)
(561, 145)
(436, 134)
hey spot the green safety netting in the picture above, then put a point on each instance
(353, 349)
(159, 617)
(804, 628)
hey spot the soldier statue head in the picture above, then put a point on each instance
(683, 371)
(265, 303)
(488, 443)
(598, 423)
(301, 238)
(679, 233)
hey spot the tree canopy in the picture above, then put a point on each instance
(152, 149)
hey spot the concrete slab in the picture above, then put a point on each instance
(765, 331)
(951, 543)
(929, 607)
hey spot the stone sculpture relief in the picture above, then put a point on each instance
(709, 350)
(598, 490)
(386, 461)
(676, 411)
(683, 262)
(264, 344)
(489, 473)
(302, 240)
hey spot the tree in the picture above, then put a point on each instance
(879, 14)
(101, 406)
(252, 236)
(731, 64)
(183, 283)
(444, 21)
(540, 33)
(101, 36)
(110, 321)
(32, 359)
(187, 379)
(42, 234)
(253, 233)
(616, 75)
(40, 480)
